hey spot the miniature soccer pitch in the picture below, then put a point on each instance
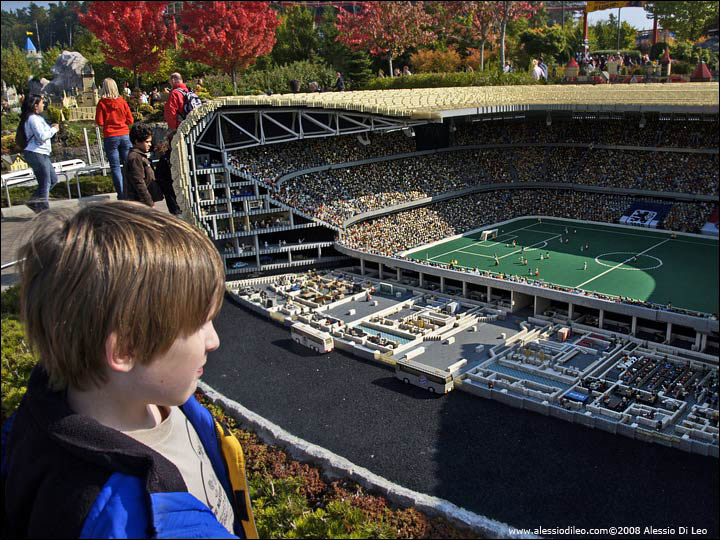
(638, 263)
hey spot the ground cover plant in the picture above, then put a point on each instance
(290, 499)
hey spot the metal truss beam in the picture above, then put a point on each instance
(260, 122)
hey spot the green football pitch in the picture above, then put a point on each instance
(638, 263)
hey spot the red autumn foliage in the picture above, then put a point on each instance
(133, 34)
(228, 36)
(386, 27)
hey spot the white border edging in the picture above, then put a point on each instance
(335, 466)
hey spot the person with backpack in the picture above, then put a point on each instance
(33, 138)
(180, 102)
(113, 115)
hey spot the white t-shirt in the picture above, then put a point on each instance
(176, 439)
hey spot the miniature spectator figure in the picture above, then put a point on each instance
(339, 82)
(313, 86)
(113, 115)
(396, 72)
(109, 433)
(126, 89)
(406, 71)
(381, 74)
(507, 68)
(295, 86)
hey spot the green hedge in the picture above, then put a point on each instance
(89, 185)
(17, 360)
(459, 78)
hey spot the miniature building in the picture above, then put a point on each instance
(701, 73)
(13, 162)
(88, 96)
(31, 52)
(571, 69)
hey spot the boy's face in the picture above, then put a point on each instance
(171, 378)
(144, 146)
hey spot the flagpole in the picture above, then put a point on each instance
(37, 32)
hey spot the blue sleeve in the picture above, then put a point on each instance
(123, 509)
(39, 129)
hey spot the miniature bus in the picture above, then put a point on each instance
(434, 380)
(312, 338)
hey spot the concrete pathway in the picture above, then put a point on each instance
(16, 222)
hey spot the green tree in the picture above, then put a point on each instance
(354, 65)
(689, 20)
(16, 69)
(605, 34)
(547, 41)
(296, 37)
(89, 46)
(49, 56)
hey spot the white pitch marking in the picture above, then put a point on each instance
(620, 264)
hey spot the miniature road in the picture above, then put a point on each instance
(510, 465)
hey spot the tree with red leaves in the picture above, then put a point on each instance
(507, 11)
(469, 23)
(386, 28)
(134, 35)
(228, 36)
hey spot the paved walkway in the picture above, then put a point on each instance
(16, 222)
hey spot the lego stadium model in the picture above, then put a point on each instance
(556, 251)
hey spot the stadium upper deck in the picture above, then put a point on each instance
(437, 103)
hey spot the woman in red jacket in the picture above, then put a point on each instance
(113, 115)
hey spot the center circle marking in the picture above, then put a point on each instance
(623, 265)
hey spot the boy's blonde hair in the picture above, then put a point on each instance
(109, 89)
(113, 267)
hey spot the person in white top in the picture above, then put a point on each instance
(536, 70)
(37, 151)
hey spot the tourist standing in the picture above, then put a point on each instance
(163, 174)
(113, 115)
(37, 151)
(176, 101)
(339, 82)
(139, 176)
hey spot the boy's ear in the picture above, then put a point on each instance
(114, 358)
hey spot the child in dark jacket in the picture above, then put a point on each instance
(138, 174)
(109, 441)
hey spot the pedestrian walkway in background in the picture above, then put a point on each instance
(16, 224)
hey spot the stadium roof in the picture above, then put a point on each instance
(438, 103)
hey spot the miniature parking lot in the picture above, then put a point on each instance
(552, 366)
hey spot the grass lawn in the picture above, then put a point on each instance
(638, 263)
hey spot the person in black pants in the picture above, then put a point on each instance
(163, 174)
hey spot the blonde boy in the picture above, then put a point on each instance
(118, 302)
